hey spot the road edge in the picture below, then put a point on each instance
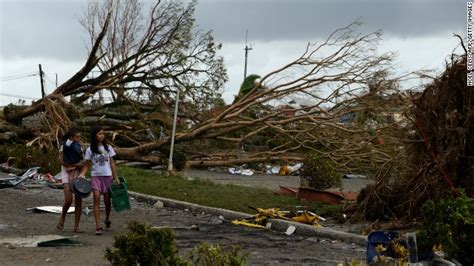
(276, 224)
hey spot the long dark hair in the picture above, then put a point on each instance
(94, 143)
(71, 132)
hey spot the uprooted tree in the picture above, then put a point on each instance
(437, 159)
(294, 109)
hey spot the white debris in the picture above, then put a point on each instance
(158, 204)
(275, 170)
(290, 230)
(247, 172)
(294, 168)
(51, 209)
(86, 211)
(235, 171)
(238, 171)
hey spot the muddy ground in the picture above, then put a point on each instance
(265, 247)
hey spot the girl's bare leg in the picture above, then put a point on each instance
(107, 209)
(77, 214)
(96, 195)
(66, 205)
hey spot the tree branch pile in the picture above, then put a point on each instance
(440, 150)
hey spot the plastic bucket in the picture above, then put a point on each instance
(119, 195)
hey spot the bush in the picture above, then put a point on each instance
(179, 161)
(449, 222)
(213, 255)
(320, 173)
(144, 245)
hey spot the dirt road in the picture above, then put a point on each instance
(265, 247)
(266, 181)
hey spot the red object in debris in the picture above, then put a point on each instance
(312, 194)
(307, 193)
(287, 191)
(349, 196)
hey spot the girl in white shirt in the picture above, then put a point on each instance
(100, 154)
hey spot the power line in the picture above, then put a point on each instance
(21, 77)
(18, 96)
(17, 75)
(48, 79)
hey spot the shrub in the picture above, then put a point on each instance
(179, 161)
(449, 222)
(206, 255)
(320, 173)
(144, 245)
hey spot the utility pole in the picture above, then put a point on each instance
(42, 81)
(56, 79)
(247, 49)
(170, 160)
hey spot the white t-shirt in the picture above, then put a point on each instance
(100, 162)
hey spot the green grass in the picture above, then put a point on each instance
(207, 193)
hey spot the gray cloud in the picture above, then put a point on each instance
(42, 29)
(50, 28)
(305, 19)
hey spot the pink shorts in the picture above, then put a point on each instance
(101, 183)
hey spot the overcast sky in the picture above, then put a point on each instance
(48, 32)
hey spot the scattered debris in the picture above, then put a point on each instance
(283, 170)
(247, 224)
(261, 219)
(158, 204)
(239, 171)
(50, 209)
(86, 211)
(352, 176)
(290, 230)
(306, 193)
(14, 180)
(292, 170)
(308, 217)
(333, 197)
(39, 241)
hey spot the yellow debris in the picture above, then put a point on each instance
(380, 249)
(246, 223)
(307, 218)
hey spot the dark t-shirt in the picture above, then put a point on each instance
(73, 153)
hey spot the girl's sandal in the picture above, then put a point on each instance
(60, 226)
(78, 230)
(98, 231)
(107, 224)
